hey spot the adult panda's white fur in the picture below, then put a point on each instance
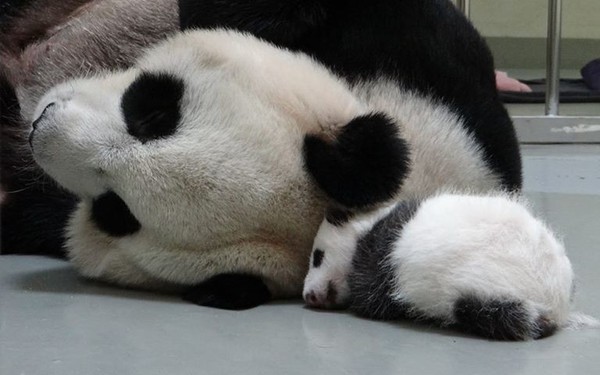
(228, 191)
(482, 263)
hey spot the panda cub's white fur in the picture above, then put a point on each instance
(482, 263)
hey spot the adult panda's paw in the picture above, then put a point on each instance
(230, 292)
(365, 165)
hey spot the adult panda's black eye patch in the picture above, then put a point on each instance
(112, 216)
(151, 106)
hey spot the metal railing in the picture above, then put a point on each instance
(551, 127)
(465, 6)
(553, 57)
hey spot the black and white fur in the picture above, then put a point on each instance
(207, 161)
(425, 47)
(483, 264)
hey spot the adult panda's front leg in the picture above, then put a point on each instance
(283, 22)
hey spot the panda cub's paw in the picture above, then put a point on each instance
(229, 292)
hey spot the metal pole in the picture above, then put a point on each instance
(553, 56)
(464, 6)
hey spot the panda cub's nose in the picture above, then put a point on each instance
(311, 299)
(325, 299)
(44, 112)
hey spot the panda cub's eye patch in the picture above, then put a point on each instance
(151, 106)
(318, 256)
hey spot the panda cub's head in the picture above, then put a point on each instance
(326, 284)
(200, 131)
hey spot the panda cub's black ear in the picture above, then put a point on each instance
(364, 165)
(151, 106)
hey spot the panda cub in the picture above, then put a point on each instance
(483, 264)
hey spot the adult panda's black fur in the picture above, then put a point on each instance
(424, 45)
(34, 208)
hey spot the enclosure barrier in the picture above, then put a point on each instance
(552, 127)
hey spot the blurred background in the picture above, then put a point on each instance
(516, 31)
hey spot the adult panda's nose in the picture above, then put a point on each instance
(36, 122)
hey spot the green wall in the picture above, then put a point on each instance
(527, 18)
(516, 31)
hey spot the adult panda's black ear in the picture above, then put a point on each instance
(151, 106)
(364, 165)
(338, 216)
(282, 22)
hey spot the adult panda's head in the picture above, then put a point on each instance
(203, 129)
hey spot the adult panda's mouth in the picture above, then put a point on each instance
(37, 121)
(112, 216)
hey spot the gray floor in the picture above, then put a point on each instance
(51, 322)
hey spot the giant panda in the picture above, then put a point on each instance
(483, 264)
(206, 167)
(435, 74)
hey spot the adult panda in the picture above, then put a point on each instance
(201, 167)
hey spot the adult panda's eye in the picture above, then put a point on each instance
(151, 106)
